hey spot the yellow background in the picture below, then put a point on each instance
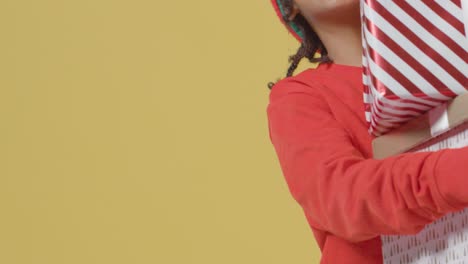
(136, 132)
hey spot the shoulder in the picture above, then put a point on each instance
(299, 94)
(305, 83)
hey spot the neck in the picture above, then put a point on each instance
(341, 35)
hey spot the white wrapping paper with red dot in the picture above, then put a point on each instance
(444, 241)
(415, 57)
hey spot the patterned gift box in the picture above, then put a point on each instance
(415, 57)
(445, 240)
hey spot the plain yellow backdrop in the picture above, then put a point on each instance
(136, 132)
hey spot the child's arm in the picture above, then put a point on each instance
(343, 192)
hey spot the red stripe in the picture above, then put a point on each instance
(378, 112)
(374, 125)
(436, 32)
(392, 124)
(378, 83)
(374, 128)
(381, 110)
(367, 107)
(411, 61)
(457, 2)
(401, 108)
(377, 118)
(407, 84)
(438, 9)
(365, 70)
(444, 63)
(377, 133)
(382, 129)
(375, 82)
(381, 106)
(375, 114)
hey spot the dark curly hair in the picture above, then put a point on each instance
(311, 42)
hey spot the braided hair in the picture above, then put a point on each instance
(311, 42)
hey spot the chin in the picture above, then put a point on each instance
(341, 7)
(329, 9)
(343, 3)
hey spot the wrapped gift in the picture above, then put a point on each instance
(435, 125)
(445, 240)
(415, 57)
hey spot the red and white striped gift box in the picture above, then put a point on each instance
(415, 57)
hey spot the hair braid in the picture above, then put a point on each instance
(295, 59)
(311, 43)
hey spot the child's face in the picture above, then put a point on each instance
(328, 9)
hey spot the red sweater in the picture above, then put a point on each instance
(318, 129)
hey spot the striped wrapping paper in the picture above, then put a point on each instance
(415, 57)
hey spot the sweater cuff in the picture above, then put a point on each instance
(451, 178)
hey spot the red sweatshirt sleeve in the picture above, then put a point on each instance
(343, 192)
